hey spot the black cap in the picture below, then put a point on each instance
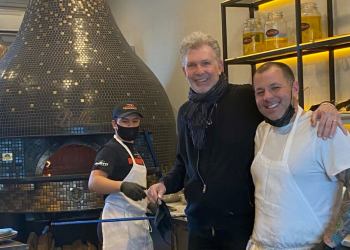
(125, 109)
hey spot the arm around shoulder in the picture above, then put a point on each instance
(328, 118)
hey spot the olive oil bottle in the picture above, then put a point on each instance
(275, 31)
(310, 22)
(253, 36)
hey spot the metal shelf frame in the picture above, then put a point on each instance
(329, 44)
(291, 51)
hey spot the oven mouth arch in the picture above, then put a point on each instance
(70, 147)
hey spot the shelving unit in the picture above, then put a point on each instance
(328, 44)
(290, 51)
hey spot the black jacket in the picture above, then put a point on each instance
(223, 166)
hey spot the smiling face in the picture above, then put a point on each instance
(202, 68)
(273, 92)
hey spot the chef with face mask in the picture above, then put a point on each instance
(119, 172)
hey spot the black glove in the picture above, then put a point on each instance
(133, 190)
(321, 246)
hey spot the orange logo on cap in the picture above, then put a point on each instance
(129, 106)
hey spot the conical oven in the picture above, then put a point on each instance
(60, 79)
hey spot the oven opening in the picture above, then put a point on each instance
(69, 159)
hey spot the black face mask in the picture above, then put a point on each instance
(127, 133)
(284, 120)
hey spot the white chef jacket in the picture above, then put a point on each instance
(313, 164)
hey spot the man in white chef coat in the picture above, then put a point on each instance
(298, 176)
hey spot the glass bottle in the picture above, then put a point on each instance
(310, 22)
(253, 36)
(246, 39)
(259, 37)
(275, 31)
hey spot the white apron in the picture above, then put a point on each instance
(128, 235)
(283, 217)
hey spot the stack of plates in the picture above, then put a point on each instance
(346, 241)
(7, 234)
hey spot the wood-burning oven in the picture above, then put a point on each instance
(59, 82)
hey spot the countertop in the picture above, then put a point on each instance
(177, 210)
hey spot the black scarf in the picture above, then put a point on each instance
(200, 109)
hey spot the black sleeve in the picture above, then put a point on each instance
(174, 180)
(105, 160)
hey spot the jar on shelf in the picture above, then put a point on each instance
(246, 38)
(275, 31)
(253, 36)
(311, 28)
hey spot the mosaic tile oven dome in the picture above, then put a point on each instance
(67, 68)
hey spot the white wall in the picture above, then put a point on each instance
(10, 19)
(156, 27)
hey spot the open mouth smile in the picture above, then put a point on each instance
(271, 106)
